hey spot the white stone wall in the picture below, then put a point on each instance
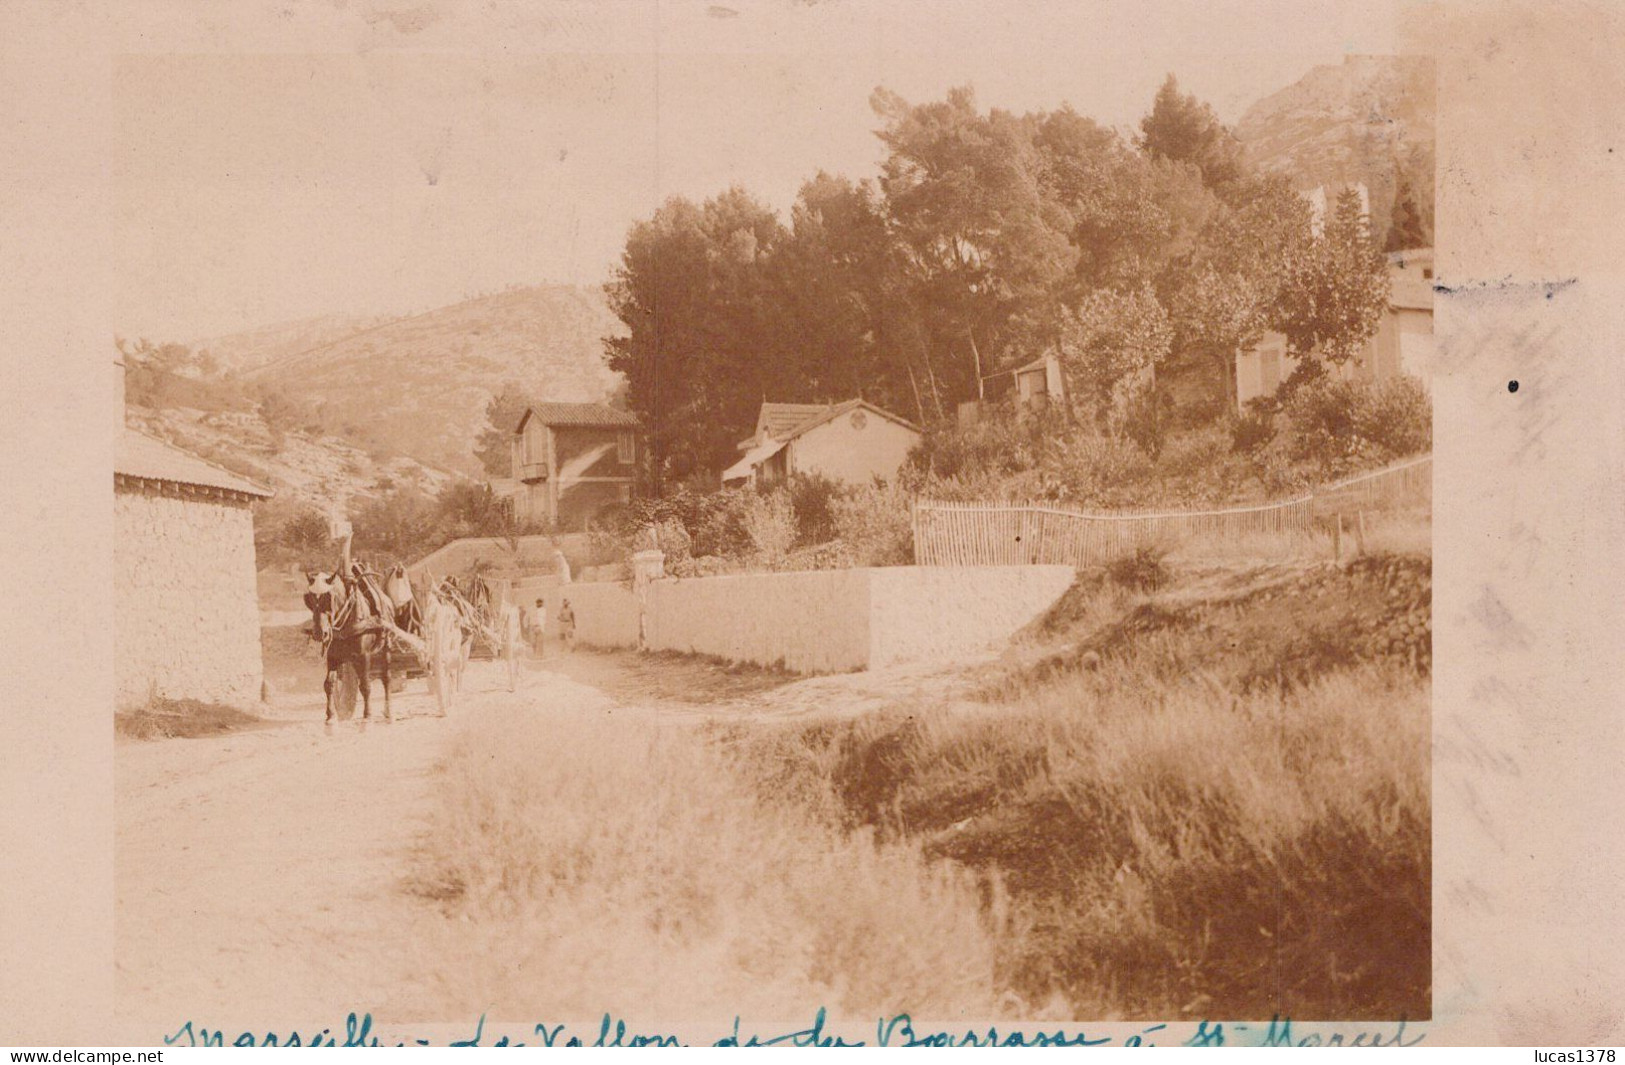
(606, 613)
(828, 621)
(814, 622)
(185, 614)
(939, 613)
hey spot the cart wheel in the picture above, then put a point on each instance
(349, 690)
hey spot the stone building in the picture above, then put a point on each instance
(185, 614)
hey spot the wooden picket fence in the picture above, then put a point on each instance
(991, 534)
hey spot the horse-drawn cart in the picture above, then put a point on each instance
(397, 632)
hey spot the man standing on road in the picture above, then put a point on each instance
(536, 618)
(567, 626)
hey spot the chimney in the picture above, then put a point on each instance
(118, 393)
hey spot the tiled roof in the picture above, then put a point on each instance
(778, 420)
(150, 459)
(829, 414)
(585, 415)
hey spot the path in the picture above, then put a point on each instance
(259, 874)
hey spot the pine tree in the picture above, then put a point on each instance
(1405, 228)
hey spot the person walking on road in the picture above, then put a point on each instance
(536, 619)
(567, 626)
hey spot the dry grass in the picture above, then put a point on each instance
(667, 677)
(1214, 808)
(163, 719)
(1170, 849)
(1209, 799)
(600, 861)
(1390, 531)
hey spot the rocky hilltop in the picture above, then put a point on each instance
(1369, 119)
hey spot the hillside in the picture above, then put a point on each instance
(253, 348)
(1369, 119)
(420, 384)
(303, 468)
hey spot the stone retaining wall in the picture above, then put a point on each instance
(826, 621)
(185, 612)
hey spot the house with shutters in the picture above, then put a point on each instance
(851, 443)
(570, 461)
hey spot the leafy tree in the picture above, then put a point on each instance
(848, 327)
(985, 247)
(1110, 346)
(467, 508)
(1334, 296)
(1225, 293)
(700, 351)
(502, 414)
(399, 525)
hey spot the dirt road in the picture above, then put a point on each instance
(262, 875)
(259, 875)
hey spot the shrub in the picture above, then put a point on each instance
(1252, 430)
(1145, 420)
(770, 524)
(401, 525)
(1141, 571)
(1001, 442)
(1090, 469)
(1338, 425)
(1398, 417)
(812, 497)
(1324, 415)
(875, 523)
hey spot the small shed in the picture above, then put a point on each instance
(185, 608)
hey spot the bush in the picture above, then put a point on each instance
(400, 525)
(770, 524)
(1089, 469)
(875, 524)
(812, 497)
(1002, 442)
(1339, 425)
(1398, 417)
(1252, 430)
(1143, 571)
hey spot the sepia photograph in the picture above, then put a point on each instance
(775, 511)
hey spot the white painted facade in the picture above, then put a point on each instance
(853, 448)
(851, 443)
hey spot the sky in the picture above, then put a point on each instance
(371, 156)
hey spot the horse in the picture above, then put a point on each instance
(352, 629)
